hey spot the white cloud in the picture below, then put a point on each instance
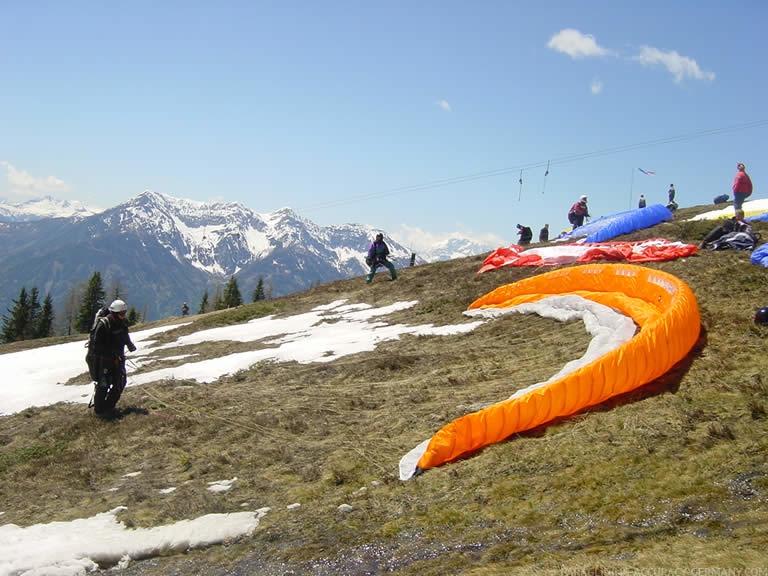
(576, 45)
(596, 87)
(21, 185)
(680, 66)
(444, 104)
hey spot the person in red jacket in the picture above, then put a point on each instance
(578, 212)
(742, 186)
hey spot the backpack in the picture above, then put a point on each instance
(90, 356)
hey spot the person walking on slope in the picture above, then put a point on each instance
(544, 234)
(742, 186)
(109, 339)
(377, 256)
(641, 202)
(525, 233)
(578, 212)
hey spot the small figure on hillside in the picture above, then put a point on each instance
(732, 225)
(544, 234)
(525, 233)
(761, 316)
(641, 202)
(742, 186)
(578, 212)
(109, 339)
(671, 193)
(184, 309)
(377, 256)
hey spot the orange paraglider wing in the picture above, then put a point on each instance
(662, 305)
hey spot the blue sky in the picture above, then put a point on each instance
(414, 117)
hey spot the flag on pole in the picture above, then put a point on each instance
(647, 172)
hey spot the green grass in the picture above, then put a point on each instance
(671, 476)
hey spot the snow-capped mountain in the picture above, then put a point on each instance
(455, 247)
(45, 207)
(161, 251)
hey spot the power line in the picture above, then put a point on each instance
(541, 164)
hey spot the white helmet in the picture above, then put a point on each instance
(583, 198)
(118, 306)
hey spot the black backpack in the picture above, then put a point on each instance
(90, 357)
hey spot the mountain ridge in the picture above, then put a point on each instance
(161, 251)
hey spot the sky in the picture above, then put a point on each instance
(324, 334)
(417, 118)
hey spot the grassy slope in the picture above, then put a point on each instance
(671, 476)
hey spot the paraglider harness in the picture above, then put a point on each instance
(104, 398)
(91, 359)
(378, 259)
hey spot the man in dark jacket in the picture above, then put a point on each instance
(544, 234)
(377, 256)
(525, 233)
(110, 337)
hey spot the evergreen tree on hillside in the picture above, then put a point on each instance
(133, 316)
(33, 313)
(44, 322)
(231, 297)
(258, 292)
(93, 299)
(204, 303)
(15, 325)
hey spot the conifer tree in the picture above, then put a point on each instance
(231, 297)
(258, 292)
(33, 314)
(44, 322)
(133, 316)
(204, 303)
(15, 325)
(93, 299)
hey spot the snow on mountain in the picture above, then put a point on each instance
(44, 207)
(161, 251)
(455, 247)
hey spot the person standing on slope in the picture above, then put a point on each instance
(377, 256)
(110, 337)
(525, 233)
(742, 186)
(641, 203)
(578, 212)
(671, 194)
(544, 234)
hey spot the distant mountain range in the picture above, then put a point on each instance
(161, 251)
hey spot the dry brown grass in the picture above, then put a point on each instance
(674, 475)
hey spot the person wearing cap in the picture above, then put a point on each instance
(110, 338)
(742, 186)
(641, 203)
(578, 212)
(377, 256)
(525, 233)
